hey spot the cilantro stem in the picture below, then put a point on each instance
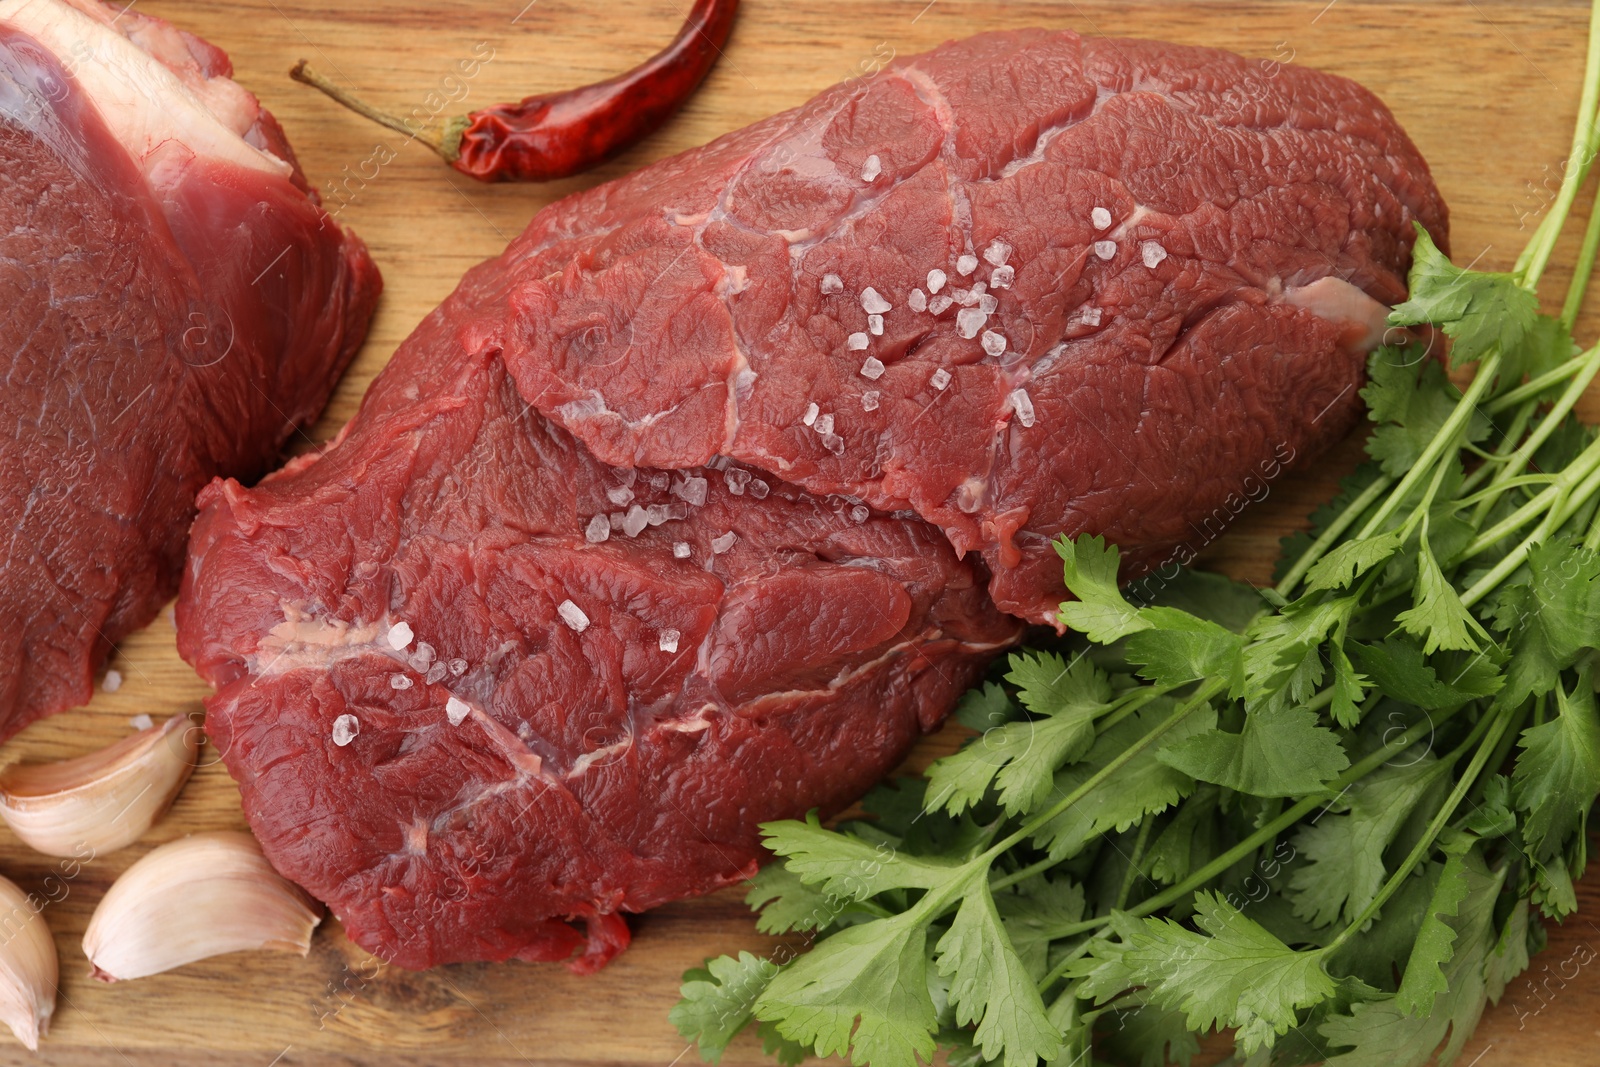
(1201, 697)
(1443, 442)
(1580, 468)
(1532, 389)
(1559, 513)
(1022, 874)
(1579, 287)
(1534, 259)
(1320, 546)
(1590, 365)
(1429, 836)
(1250, 844)
(1134, 860)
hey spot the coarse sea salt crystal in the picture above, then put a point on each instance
(831, 284)
(936, 280)
(345, 728)
(871, 168)
(833, 443)
(987, 303)
(692, 490)
(723, 542)
(872, 369)
(1152, 253)
(940, 379)
(940, 304)
(965, 265)
(875, 325)
(399, 681)
(856, 342)
(969, 321)
(436, 673)
(400, 635)
(1105, 249)
(918, 300)
(599, 529)
(1022, 404)
(993, 343)
(869, 400)
(458, 667)
(456, 710)
(824, 424)
(635, 521)
(997, 253)
(422, 658)
(659, 480)
(872, 303)
(141, 722)
(656, 514)
(1100, 217)
(620, 495)
(965, 297)
(112, 681)
(759, 489)
(859, 513)
(573, 616)
(668, 641)
(680, 550)
(737, 479)
(1002, 277)
(810, 417)
(1089, 316)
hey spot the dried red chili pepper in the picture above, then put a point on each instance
(554, 135)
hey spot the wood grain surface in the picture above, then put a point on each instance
(1488, 88)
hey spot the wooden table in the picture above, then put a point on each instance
(1488, 88)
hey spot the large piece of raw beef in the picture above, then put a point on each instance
(655, 530)
(173, 303)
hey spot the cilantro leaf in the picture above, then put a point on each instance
(1411, 400)
(1100, 613)
(845, 866)
(1437, 616)
(786, 903)
(1151, 1037)
(1281, 752)
(1424, 976)
(1381, 1033)
(1047, 685)
(1481, 311)
(1350, 560)
(863, 990)
(1142, 786)
(985, 707)
(1399, 668)
(1033, 911)
(719, 999)
(1556, 617)
(1349, 688)
(1345, 852)
(1558, 772)
(990, 986)
(1509, 957)
(1180, 648)
(1234, 974)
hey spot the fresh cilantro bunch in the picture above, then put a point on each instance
(1324, 816)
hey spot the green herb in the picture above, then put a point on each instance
(1217, 808)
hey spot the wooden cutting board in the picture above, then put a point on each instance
(1488, 88)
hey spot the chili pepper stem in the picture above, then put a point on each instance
(446, 140)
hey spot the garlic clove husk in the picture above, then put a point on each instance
(28, 966)
(193, 898)
(104, 800)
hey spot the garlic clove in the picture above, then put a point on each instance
(28, 966)
(104, 800)
(193, 898)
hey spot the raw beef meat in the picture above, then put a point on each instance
(175, 304)
(692, 509)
